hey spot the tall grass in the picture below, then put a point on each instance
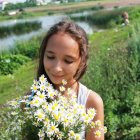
(114, 72)
(16, 85)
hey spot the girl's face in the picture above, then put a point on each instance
(61, 58)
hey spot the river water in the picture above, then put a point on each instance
(46, 21)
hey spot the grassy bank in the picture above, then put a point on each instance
(18, 84)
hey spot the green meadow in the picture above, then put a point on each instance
(113, 72)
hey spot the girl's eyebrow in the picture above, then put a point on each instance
(71, 57)
(50, 52)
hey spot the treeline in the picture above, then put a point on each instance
(27, 3)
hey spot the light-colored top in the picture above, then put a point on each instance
(83, 94)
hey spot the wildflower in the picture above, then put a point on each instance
(42, 79)
(45, 106)
(65, 122)
(59, 135)
(92, 125)
(87, 119)
(46, 121)
(13, 104)
(62, 89)
(40, 115)
(98, 123)
(51, 94)
(97, 133)
(34, 88)
(71, 134)
(14, 113)
(64, 82)
(41, 95)
(105, 129)
(53, 128)
(35, 82)
(91, 113)
(57, 116)
(42, 87)
(41, 134)
(35, 102)
(77, 137)
(59, 112)
(54, 106)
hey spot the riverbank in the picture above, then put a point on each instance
(89, 4)
(68, 7)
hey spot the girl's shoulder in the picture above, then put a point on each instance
(94, 100)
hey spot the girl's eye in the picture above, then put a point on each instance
(68, 61)
(50, 57)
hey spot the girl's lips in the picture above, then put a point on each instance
(57, 76)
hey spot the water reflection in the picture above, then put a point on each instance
(19, 28)
(46, 21)
(9, 42)
(86, 27)
(84, 13)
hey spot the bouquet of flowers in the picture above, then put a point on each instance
(47, 115)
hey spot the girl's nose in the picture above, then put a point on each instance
(58, 66)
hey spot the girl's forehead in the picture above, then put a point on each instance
(62, 37)
(63, 43)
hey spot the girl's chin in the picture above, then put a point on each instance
(56, 81)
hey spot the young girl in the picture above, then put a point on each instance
(63, 55)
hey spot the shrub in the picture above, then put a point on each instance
(9, 63)
(29, 48)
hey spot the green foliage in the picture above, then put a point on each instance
(11, 60)
(114, 72)
(9, 63)
(29, 48)
(17, 84)
(134, 13)
(29, 3)
(32, 131)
